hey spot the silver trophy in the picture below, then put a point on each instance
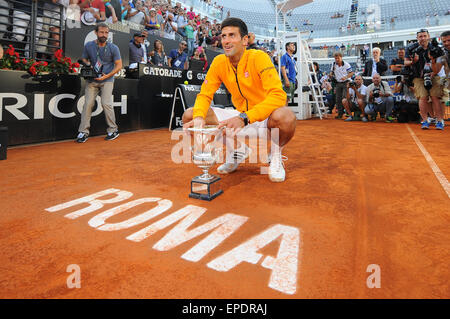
(205, 153)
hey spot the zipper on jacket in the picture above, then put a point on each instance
(246, 101)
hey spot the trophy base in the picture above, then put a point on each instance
(205, 189)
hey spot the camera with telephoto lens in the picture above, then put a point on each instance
(435, 50)
(352, 84)
(376, 92)
(427, 82)
(87, 71)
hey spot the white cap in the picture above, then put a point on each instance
(88, 18)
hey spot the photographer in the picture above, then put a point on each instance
(398, 63)
(356, 98)
(406, 106)
(341, 72)
(379, 99)
(445, 60)
(422, 57)
(104, 58)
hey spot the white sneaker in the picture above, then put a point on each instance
(276, 168)
(238, 156)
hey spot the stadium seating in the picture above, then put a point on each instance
(406, 13)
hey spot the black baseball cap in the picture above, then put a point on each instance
(422, 30)
(138, 34)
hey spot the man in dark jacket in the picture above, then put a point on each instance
(376, 64)
(251, 42)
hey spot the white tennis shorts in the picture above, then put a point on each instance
(225, 114)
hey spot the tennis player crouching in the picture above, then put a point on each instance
(257, 94)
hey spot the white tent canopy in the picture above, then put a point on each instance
(288, 5)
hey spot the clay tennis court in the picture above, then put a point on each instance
(359, 194)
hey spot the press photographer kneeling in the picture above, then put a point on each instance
(406, 106)
(101, 61)
(356, 98)
(379, 99)
(421, 56)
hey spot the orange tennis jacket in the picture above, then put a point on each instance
(255, 86)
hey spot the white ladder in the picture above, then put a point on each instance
(313, 81)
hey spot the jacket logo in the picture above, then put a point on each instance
(268, 68)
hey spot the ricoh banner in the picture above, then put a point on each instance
(50, 109)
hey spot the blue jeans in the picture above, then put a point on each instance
(181, 32)
(385, 107)
(191, 46)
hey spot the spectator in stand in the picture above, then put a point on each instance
(178, 58)
(152, 23)
(376, 65)
(398, 63)
(138, 14)
(191, 13)
(203, 38)
(125, 8)
(51, 23)
(21, 20)
(181, 20)
(170, 27)
(113, 12)
(199, 55)
(4, 19)
(95, 7)
(215, 42)
(251, 42)
(189, 30)
(158, 55)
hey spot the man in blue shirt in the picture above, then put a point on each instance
(105, 59)
(288, 70)
(177, 58)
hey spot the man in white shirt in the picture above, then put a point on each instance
(341, 72)
(356, 98)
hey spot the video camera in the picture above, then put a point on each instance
(87, 71)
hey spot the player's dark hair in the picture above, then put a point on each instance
(236, 22)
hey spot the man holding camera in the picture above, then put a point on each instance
(379, 99)
(105, 60)
(356, 98)
(422, 57)
(341, 72)
(406, 105)
(398, 63)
